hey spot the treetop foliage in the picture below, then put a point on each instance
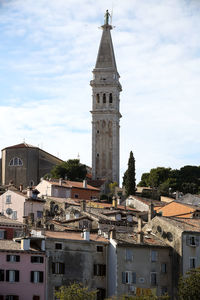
(129, 176)
(189, 286)
(165, 180)
(75, 291)
(71, 169)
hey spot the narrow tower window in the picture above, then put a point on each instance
(97, 97)
(104, 98)
(110, 98)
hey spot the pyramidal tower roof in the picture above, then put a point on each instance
(106, 56)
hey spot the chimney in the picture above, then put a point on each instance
(140, 233)
(83, 205)
(85, 183)
(21, 187)
(177, 195)
(113, 233)
(114, 202)
(118, 200)
(60, 181)
(150, 212)
(29, 192)
(86, 234)
(25, 244)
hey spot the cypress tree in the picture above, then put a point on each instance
(129, 176)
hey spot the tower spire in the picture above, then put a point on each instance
(105, 110)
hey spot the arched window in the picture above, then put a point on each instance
(110, 98)
(16, 161)
(104, 98)
(97, 97)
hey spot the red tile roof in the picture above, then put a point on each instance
(74, 236)
(72, 184)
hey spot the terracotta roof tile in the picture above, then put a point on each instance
(177, 209)
(74, 184)
(74, 236)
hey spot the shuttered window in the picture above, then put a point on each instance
(128, 277)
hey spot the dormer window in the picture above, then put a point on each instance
(16, 161)
(110, 98)
(104, 98)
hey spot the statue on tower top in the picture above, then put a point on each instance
(106, 18)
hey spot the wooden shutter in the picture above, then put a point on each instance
(41, 259)
(7, 257)
(133, 277)
(17, 258)
(7, 275)
(123, 277)
(196, 240)
(40, 276)
(95, 269)
(104, 270)
(1, 275)
(187, 240)
(62, 268)
(32, 276)
(53, 268)
(16, 276)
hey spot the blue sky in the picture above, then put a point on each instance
(48, 50)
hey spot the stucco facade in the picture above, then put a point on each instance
(24, 164)
(139, 268)
(71, 258)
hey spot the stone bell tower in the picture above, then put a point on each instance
(105, 110)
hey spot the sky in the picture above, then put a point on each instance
(48, 50)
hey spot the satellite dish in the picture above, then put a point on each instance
(9, 211)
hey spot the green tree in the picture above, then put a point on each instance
(129, 176)
(75, 291)
(151, 297)
(144, 180)
(71, 169)
(189, 286)
(112, 186)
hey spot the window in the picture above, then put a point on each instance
(99, 270)
(36, 297)
(16, 161)
(37, 259)
(97, 131)
(154, 256)
(192, 262)
(1, 297)
(97, 97)
(101, 293)
(1, 275)
(12, 276)
(36, 276)
(163, 268)
(128, 277)
(12, 297)
(97, 154)
(58, 268)
(164, 290)
(8, 199)
(51, 227)
(13, 258)
(110, 98)
(2, 234)
(153, 278)
(193, 240)
(75, 195)
(129, 255)
(99, 248)
(39, 214)
(58, 246)
(104, 98)
(14, 215)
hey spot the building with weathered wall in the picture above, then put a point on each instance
(24, 164)
(73, 257)
(10, 229)
(138, 265)
(183, 235)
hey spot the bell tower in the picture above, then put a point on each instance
(106, 89)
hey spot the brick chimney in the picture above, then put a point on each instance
(140, 233)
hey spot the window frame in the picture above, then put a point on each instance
(154, 258)
(129, 277)
(12, 258)
(155, 283)
(61, 246)
(12, 276)
(128, 254)
(37, 276)
(194, 262)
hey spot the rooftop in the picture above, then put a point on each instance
(7, 221)
(72, 184)
(74, 236)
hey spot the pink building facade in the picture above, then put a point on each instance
(22, 272)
